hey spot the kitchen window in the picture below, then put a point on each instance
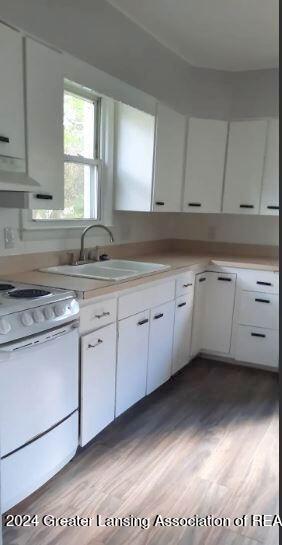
(82, 159)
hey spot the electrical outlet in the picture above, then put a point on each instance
(9, 237)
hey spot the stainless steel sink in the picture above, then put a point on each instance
(114, 269)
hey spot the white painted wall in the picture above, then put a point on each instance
(225, 228)
(98, 34)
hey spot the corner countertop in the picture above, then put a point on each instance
(87, 288)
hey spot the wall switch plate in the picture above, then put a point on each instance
(9, 237)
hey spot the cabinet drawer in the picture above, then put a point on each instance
(264, 281)
(97, 315)
(185, 285)
(257, 345)
(259, 309)
(143, 299)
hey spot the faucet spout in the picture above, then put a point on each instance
(82, 243)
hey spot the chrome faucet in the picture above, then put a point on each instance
(82, 256)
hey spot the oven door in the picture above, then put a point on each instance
(38, 385)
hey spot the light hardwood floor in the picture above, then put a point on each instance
(205, 443)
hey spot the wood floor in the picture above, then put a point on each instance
(205, 443)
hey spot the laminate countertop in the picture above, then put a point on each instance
(87, 288)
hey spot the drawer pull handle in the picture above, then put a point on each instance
(181, 305)
(262, 300)
(160, 203)
(94, 345)
(44, 196)
(202, 279)
(273, 207)
(145, 321)
(224, 279)
(187, 285)
(158, 316)
(260, 283)
(102, 315)
(4, 139)
(246, 206)
(258, 335)
(194, 204)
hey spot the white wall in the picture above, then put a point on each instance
(100, 35)
(225, 228)
(128, 227)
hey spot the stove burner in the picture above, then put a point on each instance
(28, 293)
(6, 287)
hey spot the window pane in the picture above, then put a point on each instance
(81, 183)
(78, 126)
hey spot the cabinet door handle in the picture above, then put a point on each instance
(102, 315)
(194, 204)
(145, 321)
(181, 305)
(4, 139)
(186, 285)
(157, 316)
(262, 300)
(258, 335)
(260, 283)
(273, 207)
(94, 345)
(246, 206)
(160, 203)
(202, 279)
(224, 279)
(44, 196)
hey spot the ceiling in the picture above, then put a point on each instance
(219, 34)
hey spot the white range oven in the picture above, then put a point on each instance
(38, 387)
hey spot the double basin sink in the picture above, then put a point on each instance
(114, 269)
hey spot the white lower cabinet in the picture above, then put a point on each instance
(160, 345)
(257, 345)
(213, 312)
(198, 312)
(132, 360)
(98, 374)
(182, 333)
(219, 307)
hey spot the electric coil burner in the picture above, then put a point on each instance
(6, 287)
(28, 293)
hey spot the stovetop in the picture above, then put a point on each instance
(27, 310)
(16, 297)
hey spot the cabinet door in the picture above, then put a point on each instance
(244, 167)
(12, 140)
(160, 345)
(45, 136)
(204, 165)
(219, 307)
(132, 360)
(270, 184)
(182, 333)
(133, 158)
(198, 312)
(98, 369)
(169, 160)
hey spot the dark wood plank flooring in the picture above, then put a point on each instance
(205, 443)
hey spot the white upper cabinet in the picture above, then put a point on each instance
(133, 158)
(244, 167)
(12, 130)
(169, 160)
(205, 158)
(270, 184)
(45, 136)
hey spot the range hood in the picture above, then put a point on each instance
(15, 188)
